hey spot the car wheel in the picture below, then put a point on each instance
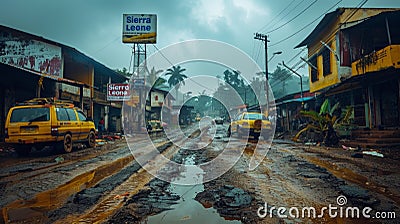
(66, 145)
(91, 141)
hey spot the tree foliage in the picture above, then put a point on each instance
(124, 71)
(153, 78)
(322, 124)
(176, 76)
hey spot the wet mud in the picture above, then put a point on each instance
(290, 176)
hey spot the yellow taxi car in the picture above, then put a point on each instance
(154, 126)
(250, 124)
(47, 122)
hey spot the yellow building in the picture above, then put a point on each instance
(354, 59)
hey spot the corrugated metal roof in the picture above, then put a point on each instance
(325, 22)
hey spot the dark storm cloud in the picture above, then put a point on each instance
(95, 26)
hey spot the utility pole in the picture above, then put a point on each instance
(264, 38)
(141, 56)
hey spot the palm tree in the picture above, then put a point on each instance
(153, 78)
(177, 77)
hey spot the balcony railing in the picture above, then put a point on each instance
(388, 57)
(100, 97)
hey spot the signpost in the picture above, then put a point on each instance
(138, 83)
(139, 28)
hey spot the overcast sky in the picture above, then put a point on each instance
(94, 27)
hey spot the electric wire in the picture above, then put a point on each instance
(362, 3)
(304, 48)
(358, 7)
(258, 53)
(273, 19)
(130, 61)
(158, 50)
(108, 44)
(295, 17)
(288, 13)
(309, 24)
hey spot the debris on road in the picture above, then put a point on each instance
(124, 195)
(59, 159)
(373, 153)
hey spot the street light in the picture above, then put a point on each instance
(301, 81)
(273, 55)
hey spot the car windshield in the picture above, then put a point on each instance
(254, 117)
(30, 114)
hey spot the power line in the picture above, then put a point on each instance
(258, 53)
(362, 3)
(130, 61)
(305, 26)
(288, 13)
(297, 55)
(300, 66)
(269, 24)
(315, 1)
(108, 44)
(158, 50)
(358, 7)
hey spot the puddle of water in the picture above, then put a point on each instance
(347, 174)
(49, 200)
(187, 209)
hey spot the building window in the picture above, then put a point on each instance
(326, 61)
(314, 72)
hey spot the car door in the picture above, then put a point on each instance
(67, 122)
(75, 125)
(86, 125)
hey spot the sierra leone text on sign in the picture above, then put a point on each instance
(120, 91)
(137, 24)
(139, 28)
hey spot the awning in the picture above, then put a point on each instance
(304, 99)
(61, 80)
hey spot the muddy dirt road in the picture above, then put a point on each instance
(294, 183)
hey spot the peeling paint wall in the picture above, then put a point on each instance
(30, 54)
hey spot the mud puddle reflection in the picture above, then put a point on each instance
(187, 209)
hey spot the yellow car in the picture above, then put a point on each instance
(154, 126)
(46, 122)
(250, 124)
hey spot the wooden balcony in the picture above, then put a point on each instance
(100, 97)
(388, 57)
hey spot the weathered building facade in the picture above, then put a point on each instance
(354, 59)
(32, 66)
